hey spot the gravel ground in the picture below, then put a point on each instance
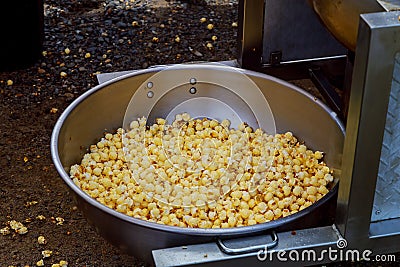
(118, 35)
(83, 38)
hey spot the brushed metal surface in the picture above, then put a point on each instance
(209, 254)
(385, 228)
(390, 5)
(341, 17)
(387, 193)
(295, 33)
(378, 43)
(103, 108)
(250, 32)
(227, 94)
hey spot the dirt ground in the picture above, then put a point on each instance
(31, 191)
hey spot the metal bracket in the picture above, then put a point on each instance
(275, 58)
(377, 45)
(250, 34)
(327, 90)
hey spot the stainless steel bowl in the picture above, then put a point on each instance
(341, 17)
(103, 108)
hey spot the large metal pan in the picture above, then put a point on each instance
(104, 106)
(341, 17)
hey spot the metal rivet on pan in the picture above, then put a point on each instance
(149, 85)
(193, 81)
(150, 94)
(377, 212)
(192, 90)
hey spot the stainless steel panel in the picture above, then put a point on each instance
(387, 193)
(386, 228)
(378, 42)
(294, 30)
(390, 5)
(209, 254)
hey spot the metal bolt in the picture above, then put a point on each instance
(193, 90)
(377, 212)
(150, 94)
(149, 85)
(193, 81)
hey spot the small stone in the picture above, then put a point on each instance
(115, 257)
(195, 52)
(69, 95)
(41, 71)
(120, 24)
(10, 82)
